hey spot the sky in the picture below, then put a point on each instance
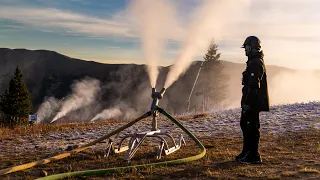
(102, 30)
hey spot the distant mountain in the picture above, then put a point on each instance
(50, 74)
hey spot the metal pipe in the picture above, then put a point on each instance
(161, 93)
(155, 101)
(194, 84)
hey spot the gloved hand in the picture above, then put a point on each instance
(246, 107)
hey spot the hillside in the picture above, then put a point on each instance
(50, 74)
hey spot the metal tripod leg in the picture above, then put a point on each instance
(109, 148)
(134, 144)
(137, 139)
(160, 150)
(176, 147)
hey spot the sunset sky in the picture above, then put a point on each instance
(101, 30)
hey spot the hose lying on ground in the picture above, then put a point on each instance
(111, 170)
(66, 154)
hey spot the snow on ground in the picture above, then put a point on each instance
(281, 118)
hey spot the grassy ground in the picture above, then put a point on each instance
(289, 156)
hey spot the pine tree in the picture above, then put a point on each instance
(16, 100)
(5, 102)
(212, 81)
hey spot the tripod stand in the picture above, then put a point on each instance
(136, 139)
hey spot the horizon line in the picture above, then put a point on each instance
(112, 61)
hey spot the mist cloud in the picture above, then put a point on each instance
(108, 113)
(47, 109)
(83, 94)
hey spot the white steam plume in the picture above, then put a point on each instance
(83, 93)
(285, 85)
(294, 86)
(47, 109)
(212, 17)
(152, 18)
(108, 113)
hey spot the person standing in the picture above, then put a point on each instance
(255, 98)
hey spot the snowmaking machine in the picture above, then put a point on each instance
(137, 138)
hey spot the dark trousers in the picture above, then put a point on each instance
(250, 126)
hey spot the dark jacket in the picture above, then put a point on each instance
(254, 81)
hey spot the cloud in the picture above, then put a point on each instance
(288, 28)
(82, 2)
(70, 22)
(289, 31)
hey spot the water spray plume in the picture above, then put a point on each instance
(47, 109)
(108, 113)
(152, 18)
(84, 93)
(211, 19)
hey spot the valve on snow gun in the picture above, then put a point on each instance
(156, 96)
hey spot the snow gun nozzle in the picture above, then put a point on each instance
(156, 96)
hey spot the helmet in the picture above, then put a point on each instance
(253, 42)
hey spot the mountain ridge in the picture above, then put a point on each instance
(51, 74)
